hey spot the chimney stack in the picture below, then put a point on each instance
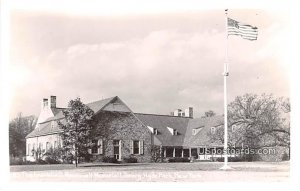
(52, 101)
(186, 113)
(45, 103)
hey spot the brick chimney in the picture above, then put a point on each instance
(45, 103)
(52, 102)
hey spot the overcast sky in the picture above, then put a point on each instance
(155, 63)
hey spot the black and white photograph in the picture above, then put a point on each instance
(141, 91)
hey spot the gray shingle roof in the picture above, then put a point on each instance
(45, 127)
(183, 125)
(204, 124)
(161, 122)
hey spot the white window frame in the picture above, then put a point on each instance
(213, 130)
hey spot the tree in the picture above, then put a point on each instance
(209, 113)
(259, 122)
(19, 127)
(77, 129)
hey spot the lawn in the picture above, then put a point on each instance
(192, 172)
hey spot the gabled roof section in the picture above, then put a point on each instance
(98, 105)
(45, 126)
(161, 122)
(201, 138)
(44, 129)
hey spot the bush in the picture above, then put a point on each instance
(285, 157)
(130, 159)
(109, 159)
(179, 159)
(50, 160)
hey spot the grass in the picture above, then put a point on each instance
(198, 171)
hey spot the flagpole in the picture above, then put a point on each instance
(225, 74)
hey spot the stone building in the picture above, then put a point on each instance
(132, 134)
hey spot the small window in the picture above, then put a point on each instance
(48, 146)
(28, 149)
(155, 131)
(55, 144)
(136, 147)
(175, 132)
(213, 130)
(194, 131)
(233, 128)
(95, 147)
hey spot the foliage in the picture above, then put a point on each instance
(285, 157)
(179, 159)
(156, 153)
(77, 129)
(209, 113)
(259, 122)
(130, 159)
(18, 129)
(53, 155)
(110, 159)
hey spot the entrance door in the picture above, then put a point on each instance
(117, 149)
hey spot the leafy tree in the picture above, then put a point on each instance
(77, 129)
(209, 113)
(258, 121)
(19, 127)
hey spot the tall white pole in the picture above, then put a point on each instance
(225, 97)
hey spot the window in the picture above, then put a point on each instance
(48, 146)
(194, 132)
(116, 145)
(213, 130)
(233, 128)
(136, 147)
(95, 147)
(53, 124)
(28, 149)
(175, 132)
(155, 131)
(55, 144)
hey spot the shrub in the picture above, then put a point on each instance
(179, 159)
(109, 159)
(50, 160)
(285, 157)
(130, 159)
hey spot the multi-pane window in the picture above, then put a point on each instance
(48, 146)
(136, 147)
(28, 150)
(95, 147)
(116, 144)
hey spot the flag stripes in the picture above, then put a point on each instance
(244, 30)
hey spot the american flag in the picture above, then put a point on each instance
(240, 29)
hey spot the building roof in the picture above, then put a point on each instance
(203, 125)
(45, 127)
(163, 124)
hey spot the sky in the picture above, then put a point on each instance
(155, 62)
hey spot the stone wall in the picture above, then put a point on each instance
(124, 127)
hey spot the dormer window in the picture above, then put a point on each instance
(172, 131)
(175, 132)
(153, 130)
(196, 130)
